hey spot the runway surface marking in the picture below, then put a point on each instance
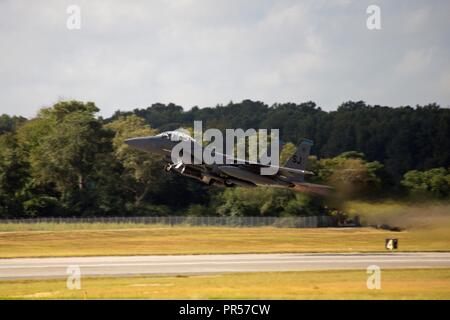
(194, 264)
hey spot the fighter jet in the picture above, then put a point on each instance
(242, 173)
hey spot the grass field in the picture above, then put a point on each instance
(102, 240)
(395, 284)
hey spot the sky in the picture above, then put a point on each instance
(131, 54)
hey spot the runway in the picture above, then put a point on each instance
(200, 264)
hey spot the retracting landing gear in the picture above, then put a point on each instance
(177, 166)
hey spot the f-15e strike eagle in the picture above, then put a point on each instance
(242, 173)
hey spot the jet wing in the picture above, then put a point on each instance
(282, 170)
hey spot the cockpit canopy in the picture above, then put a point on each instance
(175, 136)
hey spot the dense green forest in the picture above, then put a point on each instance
(67, 161)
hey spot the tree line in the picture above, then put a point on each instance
(67, 161)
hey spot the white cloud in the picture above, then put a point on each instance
(444, 85)
(417, 19)
(415, 61)
(201, 52)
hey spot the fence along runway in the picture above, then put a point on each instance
(293, 222)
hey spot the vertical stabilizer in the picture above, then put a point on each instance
(300, 158)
